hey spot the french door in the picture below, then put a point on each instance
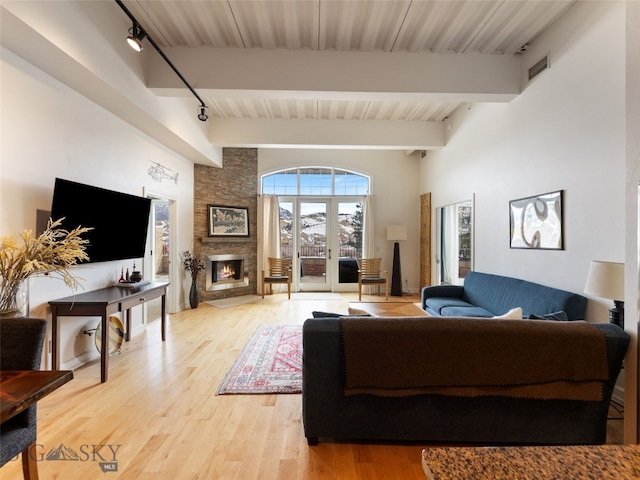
(324, 237)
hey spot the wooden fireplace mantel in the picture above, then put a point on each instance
(225, 239)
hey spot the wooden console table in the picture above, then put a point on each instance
(102, 303)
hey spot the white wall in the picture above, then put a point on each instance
(564, 132)
(50, 131)
(394, 185)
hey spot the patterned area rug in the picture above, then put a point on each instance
(271, 362)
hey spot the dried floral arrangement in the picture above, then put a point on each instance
(192, 264)
(53, 252)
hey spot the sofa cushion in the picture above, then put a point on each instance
(437, 303)
(462, 311)
(561, 316)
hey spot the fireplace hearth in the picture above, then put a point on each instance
(226, 272)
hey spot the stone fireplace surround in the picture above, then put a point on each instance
(235, 184)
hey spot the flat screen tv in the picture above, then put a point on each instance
(119, 220)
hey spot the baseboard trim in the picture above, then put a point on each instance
(80, 360)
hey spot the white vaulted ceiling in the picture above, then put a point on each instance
(380, 74)
(397, 27)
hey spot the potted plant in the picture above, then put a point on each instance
(52, 253)
(193, 265)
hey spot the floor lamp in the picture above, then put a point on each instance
(396, 233)
(606, 280)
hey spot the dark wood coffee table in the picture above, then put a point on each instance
(389, 309)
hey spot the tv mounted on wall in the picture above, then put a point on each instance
(119, 220)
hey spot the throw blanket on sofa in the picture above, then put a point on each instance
(474, 357)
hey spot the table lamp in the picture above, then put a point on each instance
(396, 233)
(606, 280)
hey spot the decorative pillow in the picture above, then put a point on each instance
(560, 315)
(514, 313)
(326, 315)
(352, 312)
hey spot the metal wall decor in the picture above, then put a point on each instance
(158, 173)
(536, 222)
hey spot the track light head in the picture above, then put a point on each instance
(202, 113)
(136, 36)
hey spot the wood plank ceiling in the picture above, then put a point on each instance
(489, 27)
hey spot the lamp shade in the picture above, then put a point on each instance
(606, 280)
(397, 232)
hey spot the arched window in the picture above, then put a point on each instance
(316, 181)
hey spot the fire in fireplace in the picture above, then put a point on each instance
(227, 271)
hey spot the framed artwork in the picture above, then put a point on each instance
(536, 222)
(225, 221)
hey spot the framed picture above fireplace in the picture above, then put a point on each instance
(226, 221)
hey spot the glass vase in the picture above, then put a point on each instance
(14, 299)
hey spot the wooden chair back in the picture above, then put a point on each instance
(369, 267)
(279, 267)
(279, 272)
(370, 273)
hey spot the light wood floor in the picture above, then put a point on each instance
(160, 414)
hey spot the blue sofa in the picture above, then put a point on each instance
(487, 295)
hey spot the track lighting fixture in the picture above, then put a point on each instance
(202, 113)
(136, 36)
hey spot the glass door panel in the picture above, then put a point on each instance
(349, 239)
(287, 224)
(313, 252)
